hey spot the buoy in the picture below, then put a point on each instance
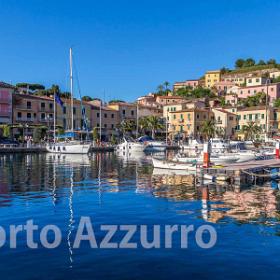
(277, 150)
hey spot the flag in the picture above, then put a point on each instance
(58, 99)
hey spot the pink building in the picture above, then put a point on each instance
(273, 91)
(223, 86)
(187, 83)
(6, 96)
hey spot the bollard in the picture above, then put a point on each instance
(206, 155)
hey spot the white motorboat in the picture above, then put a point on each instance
(155, 146)
(71, 147)
(215, 159)
(130, 147)
(166, 164)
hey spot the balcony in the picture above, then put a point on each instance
(25, 119)
(21, 107)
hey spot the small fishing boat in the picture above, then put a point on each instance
(167, 164)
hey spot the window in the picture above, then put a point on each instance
(74, 123)
(256, 116)
(262, 116)
(197, 116)
(28, 105)
(105, 116)
(97, 115)
(64, 110)
(50, 105)
(231, 118)
(19, 115)
(64, 123)
(105, 125)
(50, 116)
(250, 117)
(174, 117)
(74, 111)
(43, 105)
(43, 116)
(182, 116)
(112, 126)
(272, 89)
(257, 80)
(34, 115)
(112, 116)
(97, 125)
(123, 112)
(132, 113)
(28, 115)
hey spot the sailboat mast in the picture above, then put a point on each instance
(137, 121)
(54, 117)
(100, 121)
(71, 91)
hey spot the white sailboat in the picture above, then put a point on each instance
(69, 146)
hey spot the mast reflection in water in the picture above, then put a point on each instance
(53, 189)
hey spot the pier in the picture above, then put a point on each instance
(246, 172)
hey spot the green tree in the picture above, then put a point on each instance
(143, 124)
(251, 131)
(6, 131)
(127, 126)
(208, 129)
(87, 98)
(272, 61)
(277, 103)
(37, 134)
(261, 62)
(154, 124)
(113, 139)
(95, 134)
(249, 62)
(116, 101)
(239, 63)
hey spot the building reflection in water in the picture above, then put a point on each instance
(51, 176)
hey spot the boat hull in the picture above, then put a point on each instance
(65, 148)
(162, 164)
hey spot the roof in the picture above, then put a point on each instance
(252, 108)
(5, 85)
(264, 85)
(121, 104)
(213, 71)
(224, 111)
(191, 110)
(170, 97)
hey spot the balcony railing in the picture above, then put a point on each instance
(25, 119)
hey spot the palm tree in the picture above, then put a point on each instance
(127, 126)
(220, 132)
(154, 123)
(143, 124)
(208, 129)
(160, 89)
(251, 130)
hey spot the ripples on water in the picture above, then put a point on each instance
(111, 190)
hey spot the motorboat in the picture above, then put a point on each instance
(152, 145)
(129, 146)
(214, 159)
(167, 164)
(70, 147)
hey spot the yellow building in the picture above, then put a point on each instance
(256, 115)
(212, 77)
(188, 122)
(225, 122)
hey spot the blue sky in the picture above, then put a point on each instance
(128, 48)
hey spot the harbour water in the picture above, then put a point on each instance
(114, 191)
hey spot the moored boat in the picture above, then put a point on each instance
(167, 164)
